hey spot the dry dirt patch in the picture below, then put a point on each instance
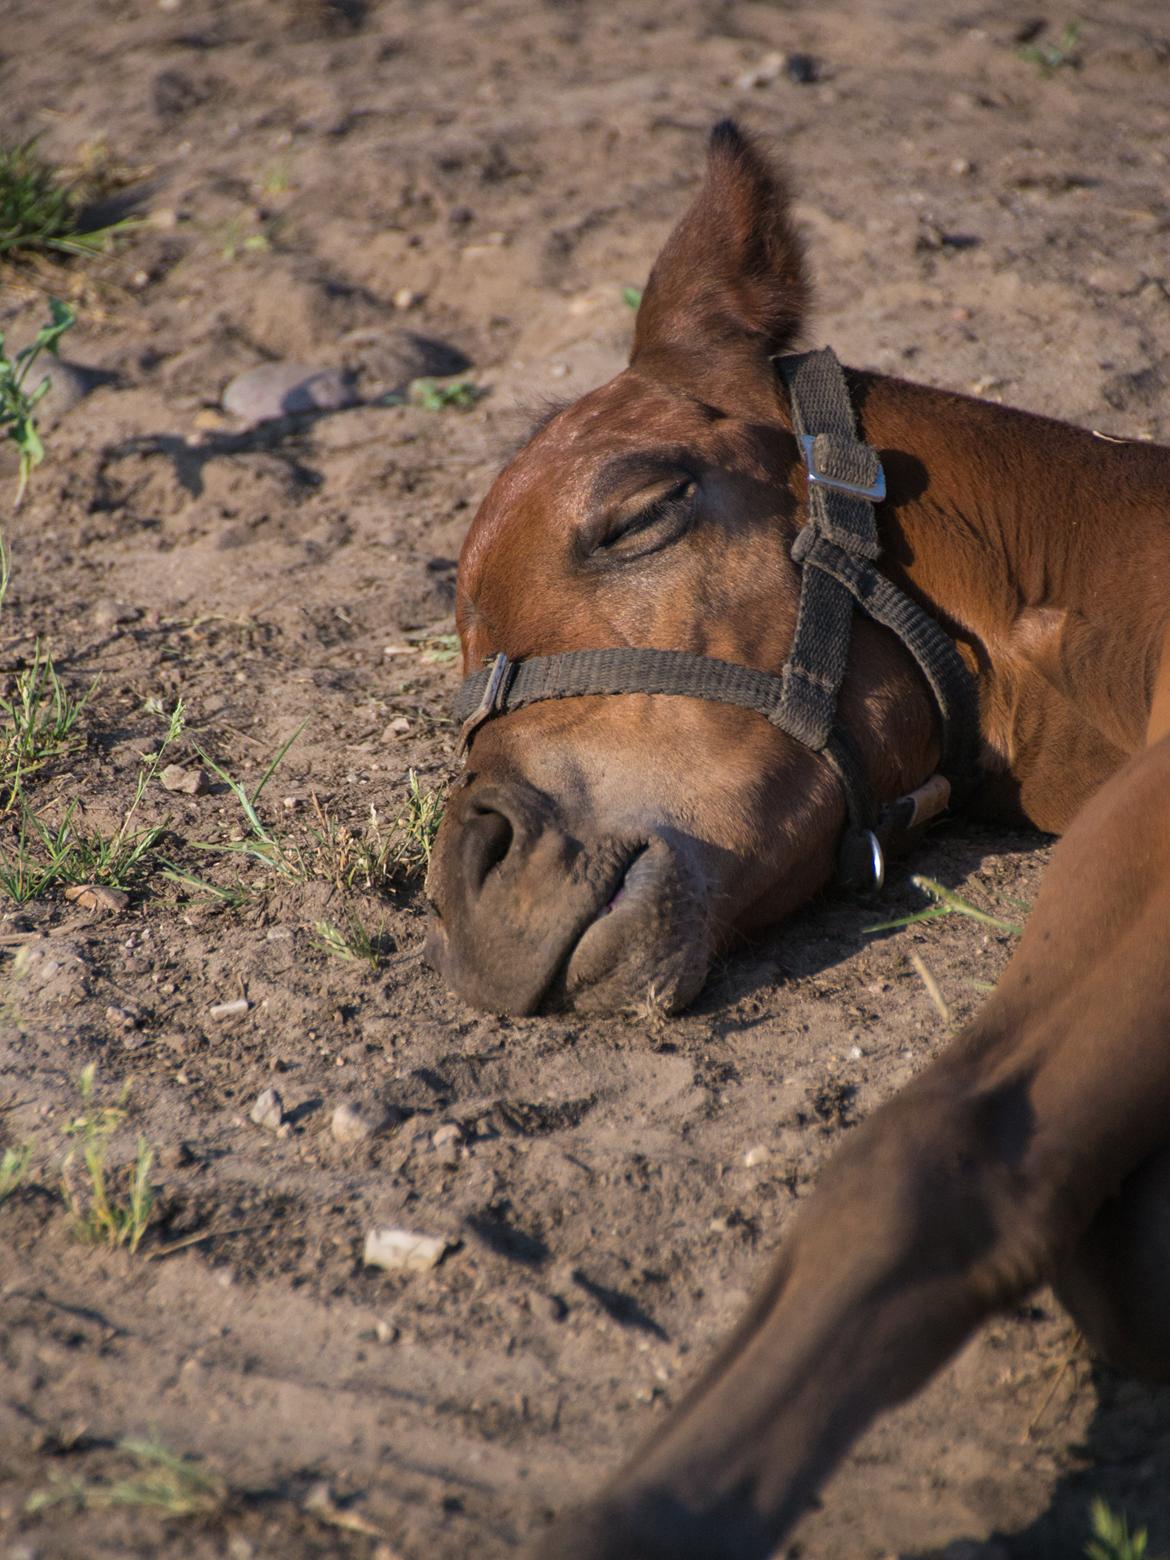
(344, 185)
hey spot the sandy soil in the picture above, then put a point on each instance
(327, 182)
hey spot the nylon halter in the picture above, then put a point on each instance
(836, 550)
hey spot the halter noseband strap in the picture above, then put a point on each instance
(836, 550)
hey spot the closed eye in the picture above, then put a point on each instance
(647, 522)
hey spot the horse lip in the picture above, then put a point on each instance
(644, 870)
(606, 904)
(619, 893)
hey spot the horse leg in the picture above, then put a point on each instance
(1116, 1280)
(954, 1198)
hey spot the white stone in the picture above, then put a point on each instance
(403, 1250)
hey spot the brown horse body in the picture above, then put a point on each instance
(600, 851)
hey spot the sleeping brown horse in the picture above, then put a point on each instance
(608, 838)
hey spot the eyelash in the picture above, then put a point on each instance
(644, 520)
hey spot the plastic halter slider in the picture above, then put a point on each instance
(489, 704)
(875, 492)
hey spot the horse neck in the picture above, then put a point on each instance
(1042, 548)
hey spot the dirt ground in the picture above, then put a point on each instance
(375, 186)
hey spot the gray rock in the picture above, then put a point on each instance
(193, 782)
(354, 1122)
(273, 390)
(268, 1111)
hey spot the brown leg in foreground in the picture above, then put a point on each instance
(957, 1196)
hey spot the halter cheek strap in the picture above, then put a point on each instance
(836, 550)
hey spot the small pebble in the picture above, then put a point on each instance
(404, 1251)
(756, 1155)
(397, 728)
(406, 298)
(221, 1010)
(194, 782)
(762, 73)
(385, 1332)
(121, 1018)
(286, 390)
(268, 1110)
(108, 614)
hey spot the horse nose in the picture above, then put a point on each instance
(502, 855)
(491, 828)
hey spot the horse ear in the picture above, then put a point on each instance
(732, 272)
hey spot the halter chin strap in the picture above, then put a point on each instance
(836, 550)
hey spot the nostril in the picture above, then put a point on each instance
(491, 834)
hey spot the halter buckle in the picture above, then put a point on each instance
(875, 492)
(490, 704)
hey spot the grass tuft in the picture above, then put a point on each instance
(436, 395)
(353, 941)
(43, 856)
(948, 903)
(99, 1214)
(1049, 55)
(14, 1163)
(38, 721)
(41, 211)
(163, 1482)
(1112, 1539)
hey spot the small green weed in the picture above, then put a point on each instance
(1112, 1539)
(98, 1215)
(354, 941)
(948, 903)
(415, 829)
(14, 1163)
(18, 404)
(260, 843)
(1049, 56)
(235, 240)
(164, 1482)
(435, 395)
(632, 297)
(41, 211)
